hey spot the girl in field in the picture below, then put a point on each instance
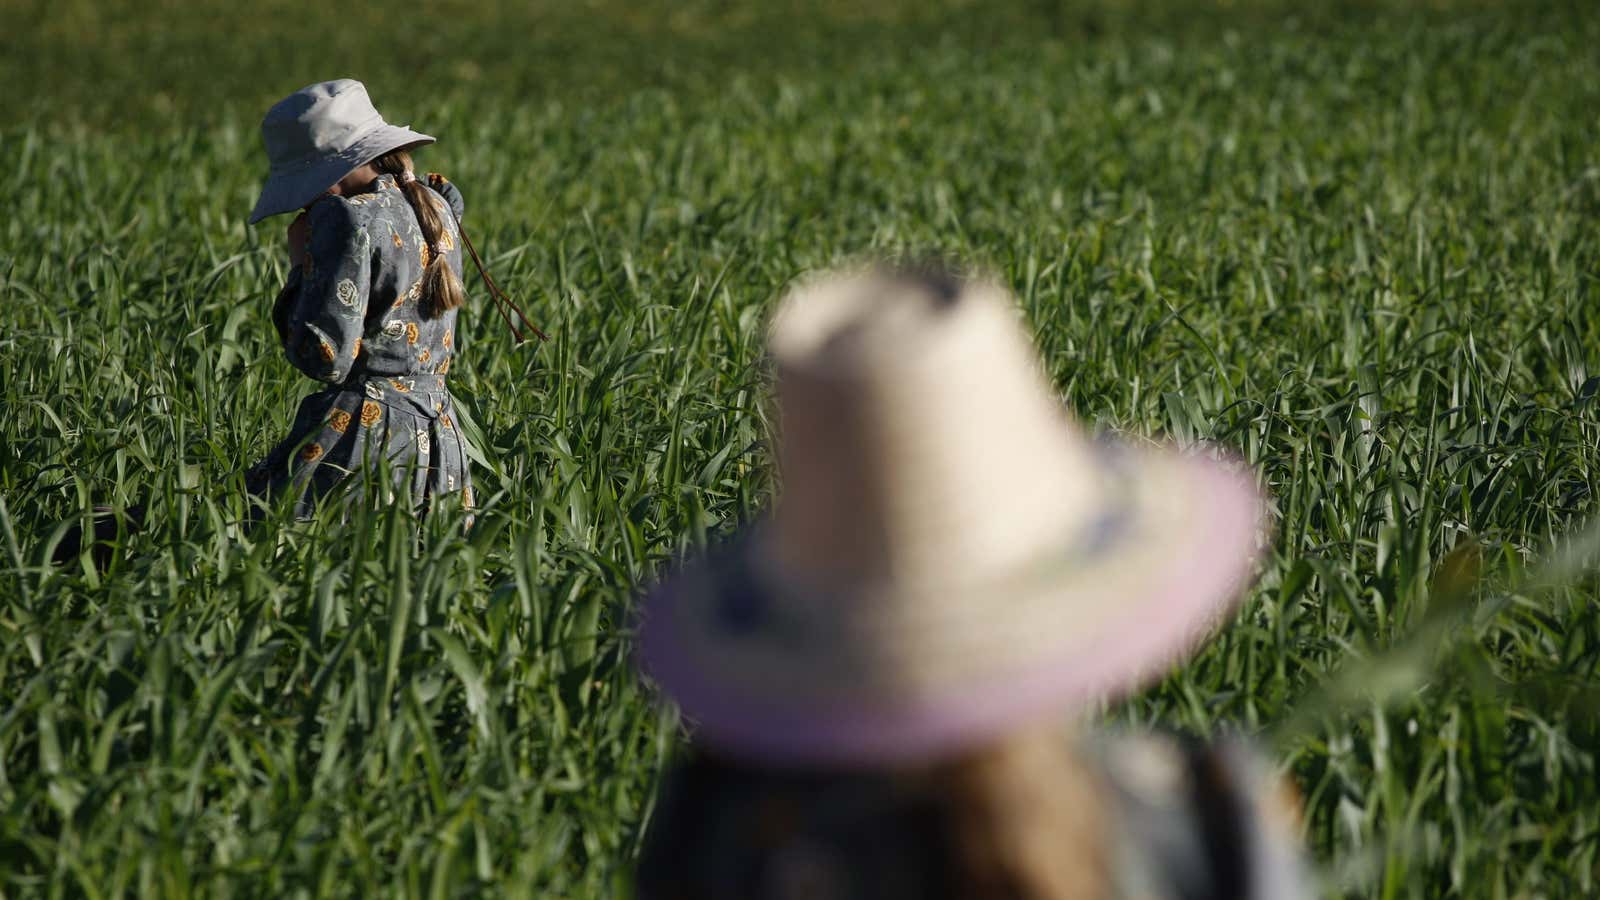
(874, 672)
(371, 301)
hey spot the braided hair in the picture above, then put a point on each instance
(441, 287)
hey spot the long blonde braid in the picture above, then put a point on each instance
(441, 287)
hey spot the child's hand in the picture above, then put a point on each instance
(298, 232)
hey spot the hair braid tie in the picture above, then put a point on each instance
(407, 176)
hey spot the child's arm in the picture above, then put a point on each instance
(283, 304)
(451, 194)
(325, 320)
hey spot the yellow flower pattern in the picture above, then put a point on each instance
(339, 421)
(311, 453)
(370, 413)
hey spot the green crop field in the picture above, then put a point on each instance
(1356, 243)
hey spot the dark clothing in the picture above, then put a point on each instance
(1182, 821)
(350, 317)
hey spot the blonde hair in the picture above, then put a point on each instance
(1025, 821)
(441, 287)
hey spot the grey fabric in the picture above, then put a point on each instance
(349, 317)
(318, 135)
(1198, 821)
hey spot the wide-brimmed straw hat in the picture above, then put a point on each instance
(316, 136)
(950, 556)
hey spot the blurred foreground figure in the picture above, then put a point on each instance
(873, 671)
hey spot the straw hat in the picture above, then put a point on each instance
(950, 556)
(316, 136)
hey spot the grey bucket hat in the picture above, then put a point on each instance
(316, 136)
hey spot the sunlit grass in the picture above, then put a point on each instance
(1362, 257)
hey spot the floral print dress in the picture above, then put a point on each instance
(349, 317)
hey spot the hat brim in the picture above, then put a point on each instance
(1110, 617)
(289, 191)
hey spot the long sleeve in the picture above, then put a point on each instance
(285, 300)
(445, 188)
(325, 319)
